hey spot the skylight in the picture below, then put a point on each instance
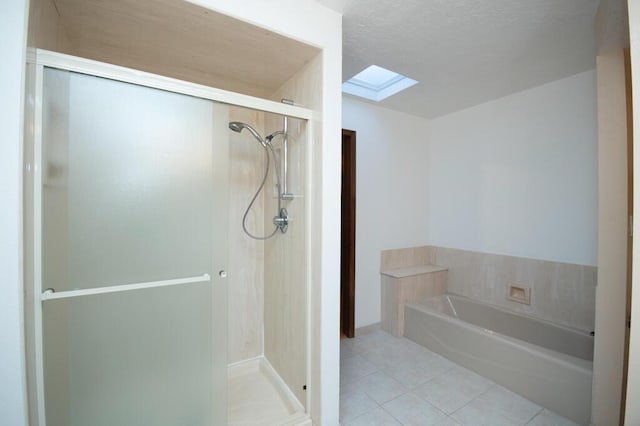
(376, 83)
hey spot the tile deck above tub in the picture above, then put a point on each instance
(410, 271)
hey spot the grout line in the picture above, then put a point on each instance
(362, 414)
(442, 373)
(460, 408)
(474, 398)
(493, 385)
(392, 416)
(535, 415)
(453, 420)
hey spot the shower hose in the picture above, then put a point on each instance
(268, 150)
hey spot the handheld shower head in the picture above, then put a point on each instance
(269, 138)
(238, 126)
(281, 220)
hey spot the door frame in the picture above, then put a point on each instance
(629, 100)
(348, 235)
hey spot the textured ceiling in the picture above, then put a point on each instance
(466, 52)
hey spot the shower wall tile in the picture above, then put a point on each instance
(560, 292)
(286, 256)
(246, 256)
(285, 275)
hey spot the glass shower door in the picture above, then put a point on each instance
(133, 251)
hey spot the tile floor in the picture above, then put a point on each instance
(389, 381)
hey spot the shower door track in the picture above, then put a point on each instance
(37, 60)
(44, 58)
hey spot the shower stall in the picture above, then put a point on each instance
(149, 298)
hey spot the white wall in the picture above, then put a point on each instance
(515, 176)
(632, 415)
(391, 206)
(518, 175)
(12, 51)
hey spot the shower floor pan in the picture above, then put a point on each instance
(258, 396)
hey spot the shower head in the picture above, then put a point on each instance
(269, 138)
(238, 126)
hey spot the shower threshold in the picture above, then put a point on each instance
(257, 395)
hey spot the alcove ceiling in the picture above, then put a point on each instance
(466, 52)
(181, 40)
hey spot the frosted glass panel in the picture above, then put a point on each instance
(127, 172)
(133, 358)
(134, 183)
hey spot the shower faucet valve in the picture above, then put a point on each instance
(282, 220)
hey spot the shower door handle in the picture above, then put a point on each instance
(50, 293)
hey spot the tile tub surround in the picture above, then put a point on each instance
(407, 275)
(393, 381)
(562, 293)
(404, 285)
(406, 257)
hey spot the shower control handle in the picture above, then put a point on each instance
(282, 220)
(222, 273)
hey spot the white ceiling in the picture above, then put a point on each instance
(466, 52)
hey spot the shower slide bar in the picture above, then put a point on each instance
(50, 294)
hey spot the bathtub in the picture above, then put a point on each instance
(544, 362)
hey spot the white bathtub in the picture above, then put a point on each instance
(546, 363)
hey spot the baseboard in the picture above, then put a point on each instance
(367, 329)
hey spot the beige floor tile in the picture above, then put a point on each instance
(377, 417)
(413, 411)
(453, 389)
(512, 405)
(381, 387)
(549, 418)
